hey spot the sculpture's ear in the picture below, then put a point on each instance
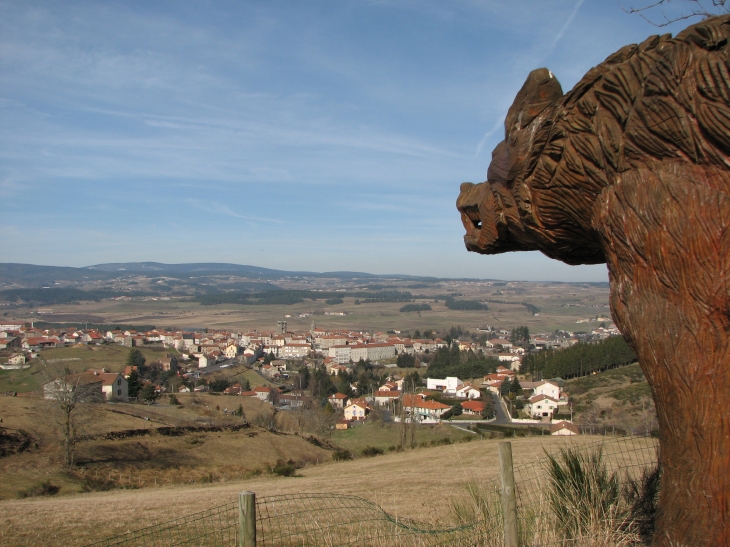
(540, 90)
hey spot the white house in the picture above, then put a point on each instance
(540, 406)
(114, 386)
(89, 386)
(468, 391)
(422, 408)
(356, 410)
(448, 385)
(547, 388)
(205, 361)
(263, 393)
(383, 397)
(337, 400)
(231, 351)
(563, 427)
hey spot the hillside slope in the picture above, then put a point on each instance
(617, 397)
(418, 484)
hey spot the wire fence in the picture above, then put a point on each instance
(333, 520)
(215, 527)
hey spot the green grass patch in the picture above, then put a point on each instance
(617, 376)
(632, 394)
(370, 434)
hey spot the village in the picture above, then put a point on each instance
(399, 387)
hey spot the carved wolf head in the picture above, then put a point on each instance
(492, 212)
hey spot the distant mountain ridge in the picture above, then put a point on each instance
(31, 275)
(217, 268)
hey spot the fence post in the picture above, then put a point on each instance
(246, 519)
(509, 496)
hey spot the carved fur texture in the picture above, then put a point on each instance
(632, 168)
(664, 100)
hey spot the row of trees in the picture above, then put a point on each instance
(322, 384)
(451, 361)
(415, 307)
(579, 360)
(469, 305)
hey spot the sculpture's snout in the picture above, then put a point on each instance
(490, 218)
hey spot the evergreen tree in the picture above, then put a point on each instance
(133, 383)
(506, 386)
(580, 359)
(135, 358)
(405, 360)
(149, 394)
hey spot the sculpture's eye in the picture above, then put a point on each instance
(474, 217)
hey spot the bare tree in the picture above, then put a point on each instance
(301, 414)
(662, 13)
(407, 415)
(73, 399)
(321, 420)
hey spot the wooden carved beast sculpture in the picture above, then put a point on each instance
(632, 168)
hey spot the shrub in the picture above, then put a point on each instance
(91, 484)
(642, 495)
(370, 451)
(341, 454)
(284, 469)
(583, 494)
(173, 400)
(46, 488)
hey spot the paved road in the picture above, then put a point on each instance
(499, 410)
(217, 367)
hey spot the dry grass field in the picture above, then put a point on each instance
(419, 484)
(110, 357)
(561, 305)
(77, 359)
(144, 459)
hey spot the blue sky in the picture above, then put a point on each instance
(293, 135)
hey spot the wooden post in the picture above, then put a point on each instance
(246, 519)
(509, 496)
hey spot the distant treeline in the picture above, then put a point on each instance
(415, 307)
(530, 307)
(53, 296)
(297, 296)
(252, 298)
(579, 360)
(465, 305)
(437, 296)
(101, 327)
(463, 364)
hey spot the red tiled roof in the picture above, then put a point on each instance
(474, 406)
